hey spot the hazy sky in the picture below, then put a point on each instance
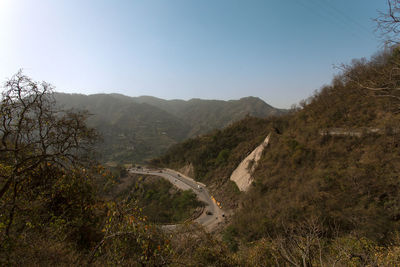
(280, 51)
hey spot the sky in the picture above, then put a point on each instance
(280, 51)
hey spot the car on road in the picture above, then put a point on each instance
(208, 212)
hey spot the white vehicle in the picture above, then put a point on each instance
(199, 187)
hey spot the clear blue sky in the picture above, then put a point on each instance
(280, 51)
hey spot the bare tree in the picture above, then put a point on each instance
(388, 23)
(379, 77)
(301, 245)
(35, 134)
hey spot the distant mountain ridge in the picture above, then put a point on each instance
(139, 128)
(205, 115)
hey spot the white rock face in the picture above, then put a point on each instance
(242, 175)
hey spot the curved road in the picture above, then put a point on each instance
(185, 183)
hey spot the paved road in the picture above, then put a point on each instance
(185, 183)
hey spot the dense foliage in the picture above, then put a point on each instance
(160, 200)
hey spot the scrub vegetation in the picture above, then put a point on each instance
(53, 209)
(326, 189)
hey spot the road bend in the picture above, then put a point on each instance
(212, 214)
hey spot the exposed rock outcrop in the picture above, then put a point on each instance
(242, 175)
(187, 170)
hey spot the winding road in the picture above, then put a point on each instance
(212, 214)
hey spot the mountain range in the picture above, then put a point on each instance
(135, 129)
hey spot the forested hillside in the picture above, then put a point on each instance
(206, 115)
(130, 131)
(136, 129)
(54, 209)
(327, 187)
(113, 180)
(326, 190)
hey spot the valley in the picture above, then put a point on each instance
(98, 171)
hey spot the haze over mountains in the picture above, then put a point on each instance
(135, 129)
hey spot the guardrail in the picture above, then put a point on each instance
(357, 132)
